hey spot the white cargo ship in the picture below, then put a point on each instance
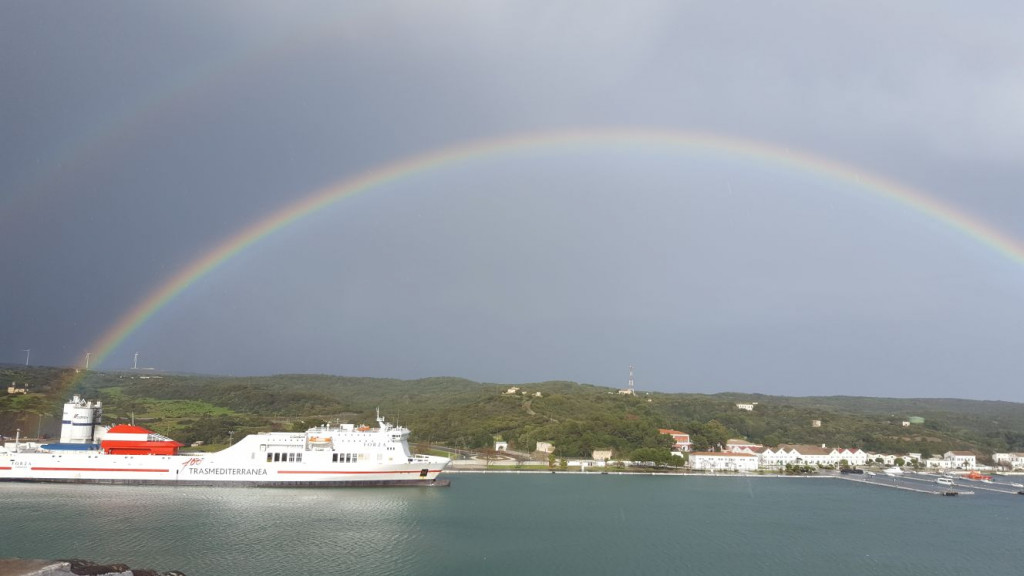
(338, 455)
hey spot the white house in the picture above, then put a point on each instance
(723, 461)
(748, 407)
(853, 456)
(773, 458)
(959, 459)
(601, 455)
(797, 454)
(1012, 460)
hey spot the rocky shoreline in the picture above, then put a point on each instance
(74, 567)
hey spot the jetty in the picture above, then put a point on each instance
(899, 484)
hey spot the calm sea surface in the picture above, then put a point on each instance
(522, 524)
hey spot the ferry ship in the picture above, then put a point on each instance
(324, 456)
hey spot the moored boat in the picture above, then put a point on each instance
(330, 455)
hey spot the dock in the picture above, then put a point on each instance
(925, 484)
(894, 482)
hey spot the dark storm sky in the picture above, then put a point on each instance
(137, 137)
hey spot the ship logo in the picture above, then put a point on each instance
(192, 462)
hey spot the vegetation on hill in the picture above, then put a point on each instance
(458, 413)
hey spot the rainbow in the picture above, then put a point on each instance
(563, 140)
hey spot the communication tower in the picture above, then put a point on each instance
(629, 391)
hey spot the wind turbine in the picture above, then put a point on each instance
(87, 355)
(28, 353)
(135, 364)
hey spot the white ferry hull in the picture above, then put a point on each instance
(191, 470)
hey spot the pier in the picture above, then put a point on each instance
(926, 484)
(894, 482)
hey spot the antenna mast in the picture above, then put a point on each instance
(631, 391)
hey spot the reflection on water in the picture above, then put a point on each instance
(217, 530)
(516, 524)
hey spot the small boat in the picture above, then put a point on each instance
(944, 481)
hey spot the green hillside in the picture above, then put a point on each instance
(461, 413)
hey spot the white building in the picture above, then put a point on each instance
(723, 461)
(853, 456)
(748, 407)
(1012, 460)
(797, 455)
(958, 459)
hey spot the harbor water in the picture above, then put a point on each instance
(522, 524)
